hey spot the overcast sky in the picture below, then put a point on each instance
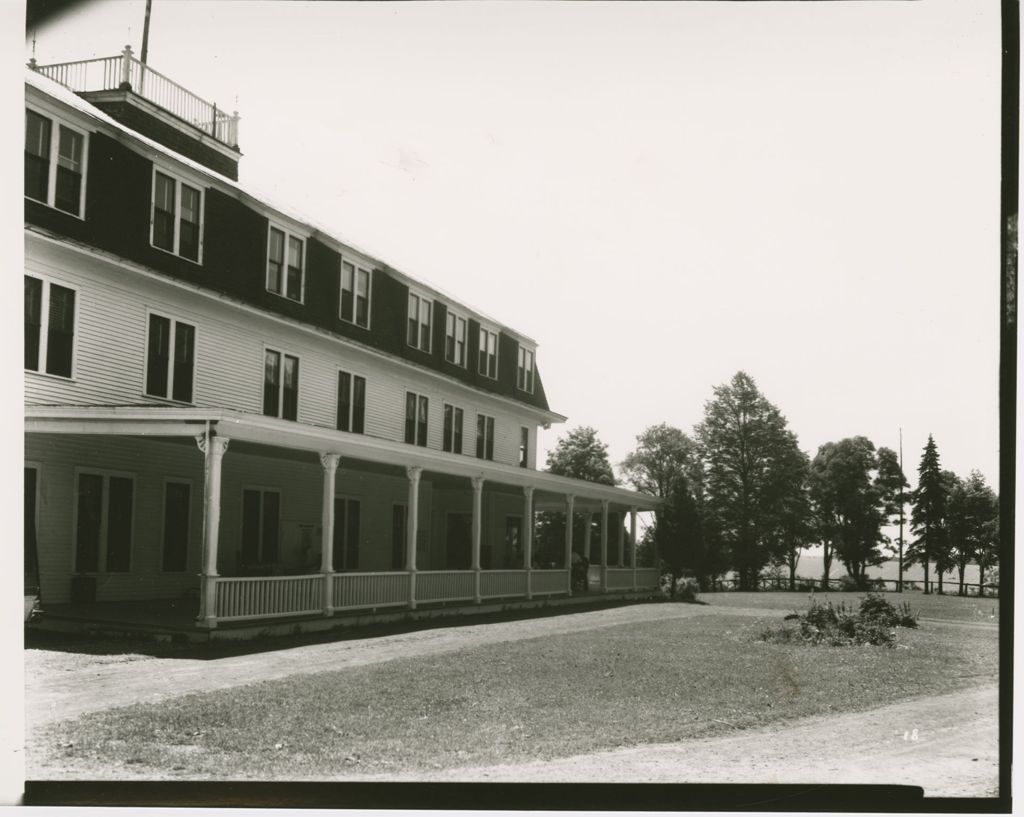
(659, 193)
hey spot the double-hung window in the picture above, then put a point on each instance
(103, 522)
(416, 407)
(280, 385)
(455, 339)
(285, 263)
(488, 358)
(524, 372)
(49, 327)
(355, 294)
(351, 402)
(176, 224)
(54, 163)
(419, 322)
(170, 359)
(452, 440)
(524, 447)
(484, 437)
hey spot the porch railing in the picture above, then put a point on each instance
(445, 585)
(239, 598)
(353, 591)
(548, 582)
(497, 583)
(619, 578)
(242, 597)
(124, 71)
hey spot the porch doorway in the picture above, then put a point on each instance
(32, 590)
(459, 542)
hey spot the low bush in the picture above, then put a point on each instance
(873, 622)
(876, 608)
(686, 588)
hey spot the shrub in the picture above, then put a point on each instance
(848, 584)
(686, 588)
(874, 622)
(876, 608)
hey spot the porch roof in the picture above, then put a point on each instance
(170, 421)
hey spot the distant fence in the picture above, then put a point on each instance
(801, 584)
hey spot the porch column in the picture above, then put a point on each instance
(214, 449)
(329, 462)
(604, 545)
(570, 500)
(478, 492)
(411, 528)
(589, 517)
(528, 537)
(622, 539)
(632, 539)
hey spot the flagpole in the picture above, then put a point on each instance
(899, 584)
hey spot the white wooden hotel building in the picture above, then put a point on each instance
(216, 388)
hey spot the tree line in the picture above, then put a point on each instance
(741, 496)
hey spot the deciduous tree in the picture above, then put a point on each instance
(579, 454)
(892, 485)
(849, 505)
(972, 513)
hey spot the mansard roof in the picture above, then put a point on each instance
(259, 198)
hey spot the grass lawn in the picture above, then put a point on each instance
(547, 697)
(953, 608)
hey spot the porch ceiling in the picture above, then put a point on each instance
(259, 431)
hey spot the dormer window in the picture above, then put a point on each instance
(524, 372)
(176, 224)
(455, 339)
(487, 361)
(54, 163)
(355, 294)
(285, 264)
(418, 335)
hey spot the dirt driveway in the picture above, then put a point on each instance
(947, 744)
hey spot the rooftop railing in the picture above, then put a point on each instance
(124, 72)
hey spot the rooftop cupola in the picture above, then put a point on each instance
(155, 106)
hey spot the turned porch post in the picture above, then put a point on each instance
(622, 539)
(528, 537)
(213, 448)
(478, 492)
(570, 500)
(604, 545)
(411, 528)
(632, 539)
(329, 462)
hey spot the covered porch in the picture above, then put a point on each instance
(400, 528)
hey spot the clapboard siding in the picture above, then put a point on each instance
(111, 330)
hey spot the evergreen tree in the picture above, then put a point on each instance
(928, 503)
(748, 455)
